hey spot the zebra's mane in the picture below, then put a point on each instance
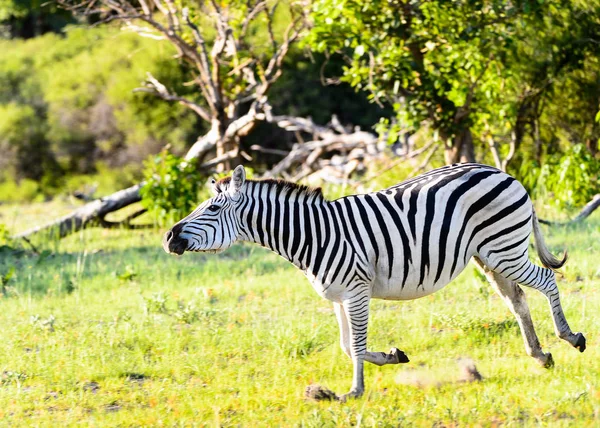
(283, 185)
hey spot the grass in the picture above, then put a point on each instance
(103, 328)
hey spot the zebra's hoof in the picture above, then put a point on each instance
(549, 363)
(398, 356)
(355, 393)
(580, 343)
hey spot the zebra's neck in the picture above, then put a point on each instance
(282, 217)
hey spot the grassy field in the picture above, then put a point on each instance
(104, 328)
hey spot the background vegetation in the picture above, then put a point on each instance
(516, 82)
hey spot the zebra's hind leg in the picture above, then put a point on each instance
(514, 298)
(395, 356)
(544, 280)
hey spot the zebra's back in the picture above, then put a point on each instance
(419, 235)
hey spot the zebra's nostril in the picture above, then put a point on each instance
(169, 235)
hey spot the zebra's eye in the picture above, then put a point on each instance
(214, 208)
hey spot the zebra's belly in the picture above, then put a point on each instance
(395, 288)
(391, 290)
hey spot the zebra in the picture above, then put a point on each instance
(401, 243)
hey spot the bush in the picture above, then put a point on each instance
(171, 188)
(25, 190)
(570, 179)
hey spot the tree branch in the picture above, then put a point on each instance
(585, 212)
(160, 90)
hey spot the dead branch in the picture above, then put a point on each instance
(511, 152)
(585, 212)
(257, 148)
(394, 164)
(426, 161)
(494, 149)
(154, 87)
(88, 214)
(125, 223)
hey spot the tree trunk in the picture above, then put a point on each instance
(592, 146)
(460, 148)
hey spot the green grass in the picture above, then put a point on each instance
(104, 328)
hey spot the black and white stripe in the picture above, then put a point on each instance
(400, 243)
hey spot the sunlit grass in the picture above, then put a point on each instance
(105, 328)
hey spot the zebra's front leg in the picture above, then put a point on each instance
(395, 356)
(356, 308)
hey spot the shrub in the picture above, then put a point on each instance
(171, 188)
(570, 179)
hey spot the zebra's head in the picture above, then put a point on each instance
(213, 226)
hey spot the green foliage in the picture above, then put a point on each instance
(491, 67)
(4, 235)
(424, 58)
(171, 187)
(186, 313)
(570, 179)
(7, 245)
(156, 304)
(67, 103)
(25, 190)
(4, 280)
(128, 274)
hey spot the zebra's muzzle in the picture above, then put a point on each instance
(173, 243)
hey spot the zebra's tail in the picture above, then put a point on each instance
(545, 255)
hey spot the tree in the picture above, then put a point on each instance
(233, 67)
(471, 69)
(31, 18)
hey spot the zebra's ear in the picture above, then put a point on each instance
(237, 179)
(212, 183)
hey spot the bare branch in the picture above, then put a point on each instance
(145, 8)
(257, 148)
(232, 154)
(426, 161)
(172, 16)
(160, 7)
(335, 124)
(157, 88)
(126, 222)
(204, 67)
(511, 152)
(494, 149)
(238, 127)
(142, 31)
(258, 7)
(270, 14)
(585, 212)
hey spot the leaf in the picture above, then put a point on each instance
(7, 276)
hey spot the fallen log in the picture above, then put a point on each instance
(585, 212)
(91, 213)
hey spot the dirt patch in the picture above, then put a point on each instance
(320, 393)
